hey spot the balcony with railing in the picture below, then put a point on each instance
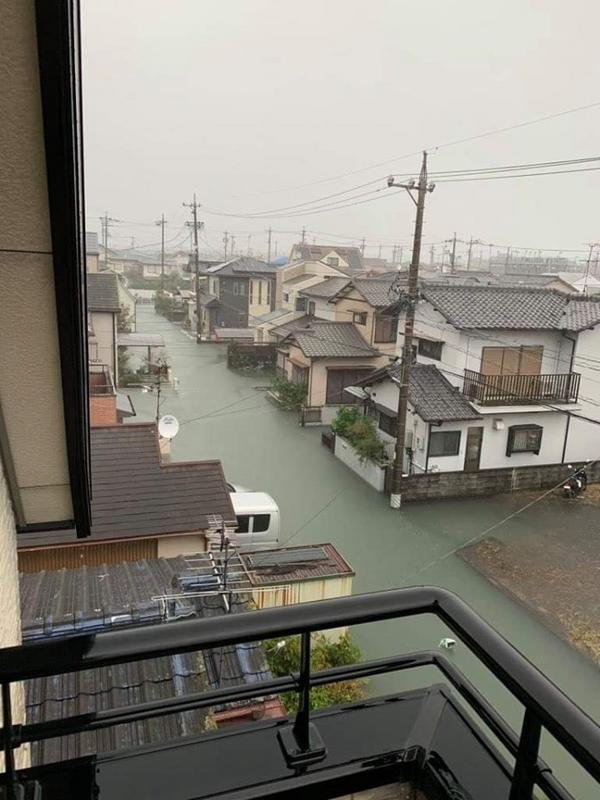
(505, 390)
(444, 741)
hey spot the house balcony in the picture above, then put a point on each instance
(443, 741)
(507, 390)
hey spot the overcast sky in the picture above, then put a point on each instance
(247, 101)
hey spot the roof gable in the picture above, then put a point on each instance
(103, 292)
(332, 340)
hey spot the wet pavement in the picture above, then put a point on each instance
(226, 415)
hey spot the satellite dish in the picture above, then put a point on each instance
(168, 426)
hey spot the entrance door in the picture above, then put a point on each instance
(473, 449)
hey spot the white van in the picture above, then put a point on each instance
(258, 520)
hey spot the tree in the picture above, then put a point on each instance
(284, 659)
(124, 320)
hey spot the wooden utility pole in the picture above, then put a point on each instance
(362, 246)
(303, 240)
(453, 254)
(225, 243)
(105, 223)
(269, 234)
(195, 226)
(162, 222)
(409, 325)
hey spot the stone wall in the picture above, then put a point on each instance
(437, 485)
(10, 618)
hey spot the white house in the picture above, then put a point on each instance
(348, 259)
(299, 275)
(526, 362)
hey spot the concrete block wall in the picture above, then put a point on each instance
(10, 618)
(438, 485)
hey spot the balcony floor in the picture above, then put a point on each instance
(369, 745)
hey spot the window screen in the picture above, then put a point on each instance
(444, 443)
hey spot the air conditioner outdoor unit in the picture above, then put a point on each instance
(498, 424)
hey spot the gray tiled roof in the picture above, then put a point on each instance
(292, 325)
(506, 307)
(242, 265)
(134, 494)
(326, 289)
(376, 291)
(333, 340)
(103, 292)
(430, 393)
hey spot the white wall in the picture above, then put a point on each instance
(323, 309)
(370, 472)
(103, 324)
(584, 437)
(462, 349)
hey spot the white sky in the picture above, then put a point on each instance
(242, 101)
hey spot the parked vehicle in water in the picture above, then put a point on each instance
(258, 519)
(576, 483)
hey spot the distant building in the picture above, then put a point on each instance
(348, 259)
(531, 265)
(92, 251)
(103, 310)
(245, 290)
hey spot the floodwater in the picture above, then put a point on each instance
(226, 415)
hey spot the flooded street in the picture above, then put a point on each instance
(223, 415)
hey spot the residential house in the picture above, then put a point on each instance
(245, 288)
(579, 282)
(523, 358)
(44, 458)
(92, 251)
(127, 303)
(347, 259)
(107, 406)
(103, 311)
(141, 508)
(372, 305)
(314, 300)
(292, 278)
(326, 357)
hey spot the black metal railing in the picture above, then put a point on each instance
(521, 389)
(546, 707)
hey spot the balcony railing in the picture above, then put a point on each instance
(491, 390)
(323, 754)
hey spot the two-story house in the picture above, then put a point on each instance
(348, 259)
(524, 360)
(104, 306)
(245, 290)
(299, 275)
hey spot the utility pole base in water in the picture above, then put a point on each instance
(395, 500)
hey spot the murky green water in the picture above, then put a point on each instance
(321, 500)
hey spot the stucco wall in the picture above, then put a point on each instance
(369, 471)
(103, 324)
(318, 373)
(263, 290)
(171, 546)
(10, 618)
(584, 437)
(30, 389)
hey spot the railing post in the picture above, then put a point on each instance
(301, 742)
(525, 771)
(9, 756)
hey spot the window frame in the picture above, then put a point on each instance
(363, 315)
(391, 421)
(392, 335)
(430, 342)
(527, 429)
(434, 435)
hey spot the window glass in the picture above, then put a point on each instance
(524, 439)
(430, 349)
(386, 328)
(359, 317)
(261, 523)
(301, 304)
(444, 443)
(387, 424)
(243, 523)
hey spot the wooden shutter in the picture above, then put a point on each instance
(531, 360)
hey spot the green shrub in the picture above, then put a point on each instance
(291, 396)
(324, 654)
(361, 432)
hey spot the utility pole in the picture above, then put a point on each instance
(162, 222)
(225, 242)
(453, 254)
(232, 246)
(472, 241)
(269, 234)
(195, 226)
(303, 240)
(409, 323)
(362, 247)
(105, 223)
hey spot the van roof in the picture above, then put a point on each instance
(249, 502)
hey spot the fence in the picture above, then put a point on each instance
(516, 389)
(244, 356)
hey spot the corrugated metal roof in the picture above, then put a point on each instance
(104, 596)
